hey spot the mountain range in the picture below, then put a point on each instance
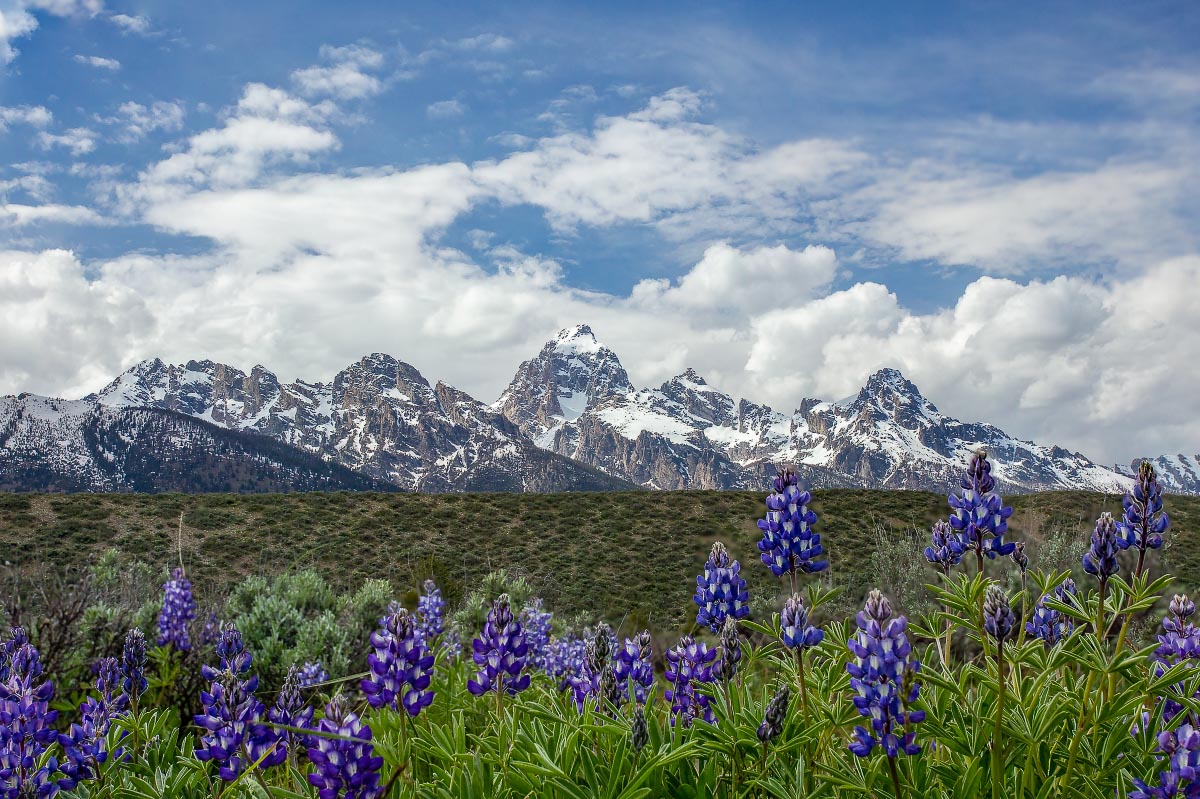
(571, 419)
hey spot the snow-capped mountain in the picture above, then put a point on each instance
(1179, 474)
(379, 417)
(62, 445)
(575, 399)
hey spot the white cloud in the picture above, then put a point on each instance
(15, 215)
(99, 62)
(344, 78)
(34, 185)
(131, 23)
(18, 19)
(485, 42)
(136, 121)
(34, 115)
(445, 109)
(79, 141)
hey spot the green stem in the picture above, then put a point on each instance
(1074, 751)
(895, 777)
(997, 735)
(807, 722)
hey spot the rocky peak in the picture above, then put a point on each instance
(701, 400)
(379, 375)
(889, 396)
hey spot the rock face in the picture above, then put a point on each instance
(378, 417)
(60, 445)
(575, 399)
(1179, 474)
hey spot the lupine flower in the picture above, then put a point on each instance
(1020, 558)
(235, 736)
(720, 590)
(26, 724)
(1048, 624)
(731, 651)
(566, 658)
(211, 632)
(946, 548)
(133, 665)
(639, 732)
(536, 621)
(177, 612)
(789, 544)
(998, 617)
(401, 667)
(597, 678)
(632, 667)
(345, 767)
(1101, 557)
(85, 744)
(311, 674)
(501, 653)
(1143, 521)
(794, 629)
(980, 515)
(775, 716)
(1179, 643)
(884, 675)
(291, 710)
(1181, 778)
(17, 638)
(431, 610)
(689, 664)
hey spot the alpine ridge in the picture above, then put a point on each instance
(570, 419)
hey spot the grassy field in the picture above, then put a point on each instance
(631, 556)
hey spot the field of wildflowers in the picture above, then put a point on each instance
(1038, 692)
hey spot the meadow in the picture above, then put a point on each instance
(601, 645)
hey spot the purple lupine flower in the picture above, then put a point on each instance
(133, 666)
(178, 610)
(211, 632)
(536, 621)
(1049, 624)
(1181, 778)
(789, 544)
(26, 724)
(946, 547)
(311, 674)
(1143, 521)
(1020, 558)
(980, 515)
(720, 590)
(1101, 558)
(689, 664)
(17, 638)
(1179, 643)
(401, 667)
(633, 669)
(884, 675)
(775, 716)
(431, 612)
(291, 710)
(566, 658)
(730, 649)
(794, 629)
(998, 618)
(345, 767)
(501, 653)
(85, 744)
(235, 736)
(598, 676)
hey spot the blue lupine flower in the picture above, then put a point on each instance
(1051, 625)
(775, 716)
(291, 710)
(401, 667)
(501, 653)
(980, 515)
(178, 610)
(1179, 643)
(998, 618)
(946, 547)
(633, 668)
(536, 622)
(1101, 558)
(720, 590)
(431, 610)
(1143, 522)
(1181, 778)
(884, 675)
(26, 724)
(235, 736)
(85, 744)
(789, 544)
(730, 649)
(133, 666)
(689, 664)
(566, 658)
(794, 629)
(598, 677)
(17, 638)
(345, 767)
(1020, 558)
(211, 632)
(311, 674)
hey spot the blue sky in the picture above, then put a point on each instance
(997, 199)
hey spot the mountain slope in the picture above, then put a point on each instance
(59, 445)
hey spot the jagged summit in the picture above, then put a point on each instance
(577, 339)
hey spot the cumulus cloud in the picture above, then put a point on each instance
(18, 19)
(345, 76)
(130, 23)
(15, 215)
(136, 121)
(99, 62)
(34, 115)
(78, 141)
(445, 109)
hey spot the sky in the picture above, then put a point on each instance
(998, 199)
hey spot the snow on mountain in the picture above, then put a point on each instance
(689, 434)
(1179, 474)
